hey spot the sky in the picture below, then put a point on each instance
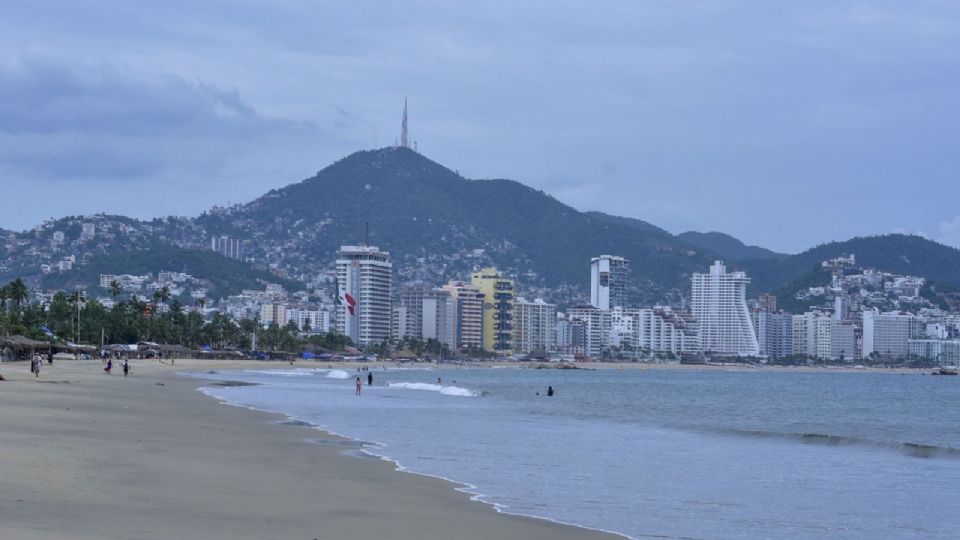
(785, 124)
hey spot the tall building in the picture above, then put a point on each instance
(410, 298)
(497, 310)
(943, 352)
(641, 333)
(841, 308)
(317, 320)
(534, 325)
(887, 334)
(231, 248)
(363, 282)
(467, 314)
(718, 302)
(608, 280)
(595, 324)
(438, 317)
(768, 303)
(273, 313)
(821, 336)
(775, 334)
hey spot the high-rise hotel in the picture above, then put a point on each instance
(608, 279)
(719, 303)
(363, 282)
(498, 293)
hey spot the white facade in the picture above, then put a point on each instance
(534, 325)
(822, 336)
(438, 315)
(718, 302)
(231, 248)
(596, 327)
(318, 320)
(945, 352)
(660, 329)
(364, 281)
(608, 276)
(887, 334)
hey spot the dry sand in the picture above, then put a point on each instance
(85, 455)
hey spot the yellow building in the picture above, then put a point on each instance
(497, 293)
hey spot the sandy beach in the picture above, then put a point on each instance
(86, 455)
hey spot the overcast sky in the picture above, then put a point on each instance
(786, 124)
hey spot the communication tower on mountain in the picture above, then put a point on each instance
(405, 141)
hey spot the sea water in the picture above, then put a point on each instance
(657, 453)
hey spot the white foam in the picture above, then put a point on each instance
(296, 372)
(338, 374)
(445, 390)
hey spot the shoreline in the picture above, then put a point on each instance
(367, 448)
(94, 456)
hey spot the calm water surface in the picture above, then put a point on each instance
(659, 453)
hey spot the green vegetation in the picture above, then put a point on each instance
(133, 321)
(226, 276)
(725, 246)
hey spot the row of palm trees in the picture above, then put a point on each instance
(71, 317)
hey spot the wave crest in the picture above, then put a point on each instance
(445, 390)
(911, 449)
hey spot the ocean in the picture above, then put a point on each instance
(656, 453)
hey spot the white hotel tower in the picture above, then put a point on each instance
(363, 280)
(719, 303)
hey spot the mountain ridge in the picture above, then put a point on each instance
(438, 225)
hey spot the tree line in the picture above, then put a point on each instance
(72, 317)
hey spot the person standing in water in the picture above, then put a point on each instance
(370, 379)
(549, 391)
(359, 386)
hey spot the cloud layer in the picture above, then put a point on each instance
(785, 124)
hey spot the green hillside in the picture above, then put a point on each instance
(726, 246)
(228, 276)
(897, 253)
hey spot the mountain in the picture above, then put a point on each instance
(637, 224)
(726, 246)
(226, 276)
(431, 218)
(437, 225)
(896, 253)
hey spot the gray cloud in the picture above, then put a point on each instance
(786, 124)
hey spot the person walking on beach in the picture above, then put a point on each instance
(35, 365)
(370, 379)
(126, 368)
(359, 386)
(109, 366)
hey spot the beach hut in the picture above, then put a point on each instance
(20, 347)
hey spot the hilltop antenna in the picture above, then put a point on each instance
(404, 140)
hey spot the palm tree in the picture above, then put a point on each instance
(4, 296)
(115, 289)
(200, 303)
(18, 292)
(77, 299)
(164, 294)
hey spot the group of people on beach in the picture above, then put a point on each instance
(109, 366)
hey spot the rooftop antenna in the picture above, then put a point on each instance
(366, 234)
(404, 140)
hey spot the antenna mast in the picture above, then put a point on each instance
(404, 139)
